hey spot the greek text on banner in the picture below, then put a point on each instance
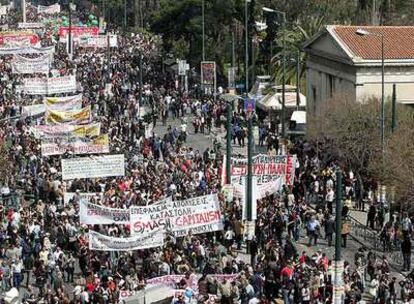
(93, 167)
(102, 242)
(92, 214)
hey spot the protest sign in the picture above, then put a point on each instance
(260, 190)
(92, 167)
(68, 196)
(92, 214)
(33, 110)
(75, 117)
(26, 50)
(64, 103)
(64, 131)
(78, 31)
(18, 38)
(146, 219)
(23, 65)
(53, 85)
(201, 212)
(265, 168)
(30, 25)
(75, 145)
(102, 242)
(93, 42)
(113, 41)
(200, 215)
(48, 10)
(4, 9)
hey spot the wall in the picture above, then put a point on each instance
(369, 82)
(326, 79)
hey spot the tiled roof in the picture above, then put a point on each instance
(398, 41)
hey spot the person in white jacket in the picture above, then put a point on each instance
(373, 289)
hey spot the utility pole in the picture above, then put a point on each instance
(246, 63)
(283, 76)
(70, 30)
(204, 30)
(298, 80)
(140, 78)
(228, 143)
(125, 15)
(249, 186)
(338, 292)
(24, 10)
(394, 108)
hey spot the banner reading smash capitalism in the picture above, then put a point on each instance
(93, 167)
(146, 219)
(76, 145)
(26, 50)
(200, 215)
(23, 65)
(265, 168)
(75, 117)
(92, 214)
(102, 242)
(46, 86)
(65, 131)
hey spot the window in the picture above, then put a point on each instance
(331, 85)
(314, 98)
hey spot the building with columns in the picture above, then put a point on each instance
(346, 60)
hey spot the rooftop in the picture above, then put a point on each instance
(398, 41)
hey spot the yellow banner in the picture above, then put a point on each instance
(72, 117)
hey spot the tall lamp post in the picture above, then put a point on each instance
(283, 14)
(203, 29)
(362, 32)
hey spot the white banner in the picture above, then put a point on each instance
(30, 25)
(65, 131)
(102, 242)
(33, 110)
(4, 9)
(26, 50)
(46, 86)
(75, 145)
(93, 42)
(92, 214)
(93, 167)
(78, 196)
(265, 168)
(23, 65)
(51, 9)
(200, 215)
(147, 219)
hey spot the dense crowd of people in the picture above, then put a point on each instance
(44, 249)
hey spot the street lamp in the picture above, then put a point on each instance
(273, 11)
(203, 29)
(362, 32)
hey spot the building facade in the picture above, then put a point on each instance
(343, 62)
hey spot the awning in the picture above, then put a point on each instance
(273, 101)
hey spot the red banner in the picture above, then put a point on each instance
(78, 31)
(16, 38)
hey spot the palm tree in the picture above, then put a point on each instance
(294, 38)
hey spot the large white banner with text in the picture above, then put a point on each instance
(23, 65)
(93, 167)
(75, 145)
(102, 242)
(65, 131)
(47, 86)
(92, 214)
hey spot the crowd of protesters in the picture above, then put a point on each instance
(44, 249)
